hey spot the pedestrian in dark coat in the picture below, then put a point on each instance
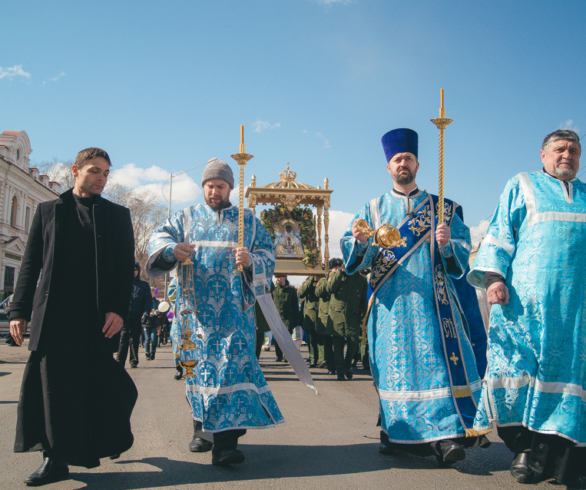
(75, 401)
(140, 304)
(310, 311)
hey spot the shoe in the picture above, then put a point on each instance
(227, 457)
(49, 472)
(349, 374)
(148, 356)
(331, 372)
(152, 356)
(178, 375)
(384, 449)
(322, 364)
(341, 377)
(520, 468)
(279, 359)
(313, 365)
(115, 456)
(134, 366)
(450, 454)
(199, 445)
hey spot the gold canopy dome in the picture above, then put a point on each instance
(290, 193)
(288, 181)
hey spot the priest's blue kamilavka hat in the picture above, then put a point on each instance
(400, 140)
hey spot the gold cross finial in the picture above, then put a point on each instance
(454, 358)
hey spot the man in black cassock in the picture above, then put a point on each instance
(76, 400)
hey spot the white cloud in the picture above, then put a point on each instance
(235, 193)
(304, 131)
(326, 142)
(13, 71)
(259, 126)
(478, 232)
(151, 180)
(569, 124)
(54, 79)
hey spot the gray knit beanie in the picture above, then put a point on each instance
(218, 169)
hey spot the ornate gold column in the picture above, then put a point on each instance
(320, 209)
(326, 236)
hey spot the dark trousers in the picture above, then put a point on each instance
(129, 337)
(260, 340)
(313, 345)
(329, 352)
(342, 363)
(226, 440)
(557, 456)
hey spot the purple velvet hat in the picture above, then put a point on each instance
(400, 140)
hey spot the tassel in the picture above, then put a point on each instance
(476, 433)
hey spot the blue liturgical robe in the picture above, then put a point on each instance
(228, 390)
(407, 356)
(537, 356)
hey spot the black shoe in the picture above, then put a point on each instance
(322, 364)
(384, 449)
(520, 468)
(227, 456)
(178, 375)
(148, 356)
(313, 365)
(331, 372)
(134, 365)
(152, 356)
(341, 377)
(48, 472)
(450, 454)
(279, 359)
(349, 374)
(115, 456)
(199, 445)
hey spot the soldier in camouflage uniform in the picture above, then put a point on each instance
(347, 309)
(287, 304)
(310, 308)
(321, 291)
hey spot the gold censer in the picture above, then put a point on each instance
(387, 236)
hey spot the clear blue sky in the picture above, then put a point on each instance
(169, 83)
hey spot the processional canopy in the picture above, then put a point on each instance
(296, 232)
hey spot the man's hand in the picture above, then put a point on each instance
(361, 237)
(113, 325)
(242, 256)
(497, 294)
(182, 251)
(18, 329)
(442, 235)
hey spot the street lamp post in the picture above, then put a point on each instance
(170, 179)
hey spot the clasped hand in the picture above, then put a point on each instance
(182, 252)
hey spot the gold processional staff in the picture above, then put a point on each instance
(241, 158)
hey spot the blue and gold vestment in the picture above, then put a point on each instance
(229, 390)
(408, 362)
(537, 356)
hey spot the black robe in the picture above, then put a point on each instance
(76, 400)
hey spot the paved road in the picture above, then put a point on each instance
(328, 441)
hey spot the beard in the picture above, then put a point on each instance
(217, 205)
(402, 178)
(565, 171)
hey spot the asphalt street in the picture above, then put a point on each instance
(329, 441)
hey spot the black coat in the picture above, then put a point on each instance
(114, 264)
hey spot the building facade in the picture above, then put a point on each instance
(21, 191)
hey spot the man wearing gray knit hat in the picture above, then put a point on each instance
(227, 391)
(217, 181)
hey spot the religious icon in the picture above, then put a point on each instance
(288, 239)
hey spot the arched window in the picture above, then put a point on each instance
(13, 212)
